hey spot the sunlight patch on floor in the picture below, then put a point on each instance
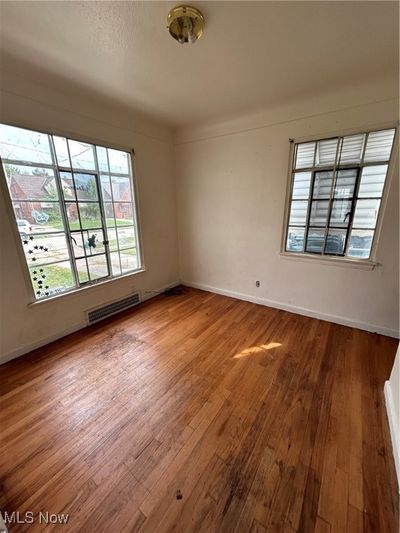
(253, 350)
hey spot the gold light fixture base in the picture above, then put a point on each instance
(185, 24)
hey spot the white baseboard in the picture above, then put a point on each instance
(38, 344)
(147, 294)
(394, 428)
(4, 358)
(296, 309)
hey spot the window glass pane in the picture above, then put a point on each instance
(67, 185)
(126, 237)
(77, 244)
(295, 240)
(322, 184)
(305, 155)
(82, 155)
(298, 213)
(315, 240)
(61, 149)
(326, 152)
(83, 274)
(31, 183)
(102, 158)
(345, 183)
(97, 267)
(123, 214)
(372, 181)
(340, 214)
(73, 216)
(85, 186)
(351, 150)
(90, 215)
(37, 217)
(379, 145)
(24, 145)
(366, 213)
(319, 213)
(106, 188)
(360, 243)
(121, 189)
(301, 185)
(25, 227)
(93, 242)
(129, 260)
(109, 213)
(48, 280)
(112, 238)
(45, 248)
(115, 265)
(88, 242)
(118, 161)
(335, 241)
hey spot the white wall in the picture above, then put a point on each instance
(231, 185)
(33, 105)
(392, 396)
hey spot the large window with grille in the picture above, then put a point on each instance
(74, 207)
(336, 192)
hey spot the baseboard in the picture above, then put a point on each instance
(145, 295)
(296, 309)
(38, 344)
(394, 428)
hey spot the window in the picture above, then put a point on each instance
(335, 195)
(74, 208)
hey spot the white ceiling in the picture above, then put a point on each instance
(252, 55)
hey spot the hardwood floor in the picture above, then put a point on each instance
(263, 420)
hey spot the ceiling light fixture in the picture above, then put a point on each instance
(185, 24)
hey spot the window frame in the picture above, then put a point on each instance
(368, 263)
(33, 300)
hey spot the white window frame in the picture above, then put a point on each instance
(364, 264)
(33, 300)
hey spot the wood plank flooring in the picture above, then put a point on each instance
(263, 421)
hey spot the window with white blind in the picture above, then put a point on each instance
(74, 208)
(336, 191)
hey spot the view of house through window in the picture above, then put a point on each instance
(74, 208)
(336, 191)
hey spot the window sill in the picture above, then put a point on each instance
(79, 290)
(361, 264)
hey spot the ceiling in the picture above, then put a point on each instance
(252, 55)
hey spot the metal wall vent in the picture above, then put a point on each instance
(94, 315)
